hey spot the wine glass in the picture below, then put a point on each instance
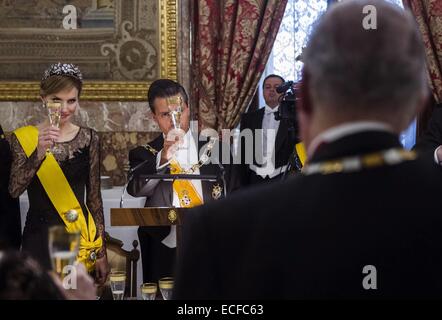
(117, 283)
(166, 287)
(54, 114)
(149, 291)
(175, 105)
(63, 249)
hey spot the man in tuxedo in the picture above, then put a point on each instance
(10, 224)
(361, 221)
(269, 134)
(432, 138)
(174, 151)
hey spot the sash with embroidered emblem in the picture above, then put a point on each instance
(187, 194)
(63, 198)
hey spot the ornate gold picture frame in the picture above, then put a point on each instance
(121, 46)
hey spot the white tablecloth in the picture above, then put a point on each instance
(111, 199)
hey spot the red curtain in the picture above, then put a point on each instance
(233, 40)
(428, 15)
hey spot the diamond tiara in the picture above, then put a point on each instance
(63, 69)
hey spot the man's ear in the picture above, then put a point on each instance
(423, 102)
(304, 108)
(186, 109)
(304, 104)
(154, 115)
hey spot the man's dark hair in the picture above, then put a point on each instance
(164, 88)
(272, 76)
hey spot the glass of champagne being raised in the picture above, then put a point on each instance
(175, 105)
(63, 249)
(54, 113)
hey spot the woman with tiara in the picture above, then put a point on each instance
(57, 162)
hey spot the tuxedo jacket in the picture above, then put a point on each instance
(160, 193)
(284, 146)
(432, 138)
(10, 224)
(319, 236)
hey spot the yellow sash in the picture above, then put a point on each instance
(62, 197)
(302, 154)
(185, 190)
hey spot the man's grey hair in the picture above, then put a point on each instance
(355, 71)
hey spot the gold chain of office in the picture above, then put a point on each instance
(202, 161)
(387, 157)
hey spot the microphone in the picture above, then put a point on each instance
(284, 87)
(130, 176)
(138, 166)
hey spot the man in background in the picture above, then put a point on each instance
(265, 158)
(432, 138)
(361, 221)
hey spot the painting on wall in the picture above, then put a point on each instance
(121, 46)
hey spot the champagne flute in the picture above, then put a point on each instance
(118, 283)
(63, 249)
(175, 105)
(54, 113)
(149, 291)
(166, 287)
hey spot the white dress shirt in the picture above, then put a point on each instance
(269, 124)
(269, 131)
(186, 156)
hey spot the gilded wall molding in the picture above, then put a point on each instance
(117, 90)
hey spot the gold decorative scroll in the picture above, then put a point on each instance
(116, 90)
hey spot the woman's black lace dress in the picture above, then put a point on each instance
(80, 161)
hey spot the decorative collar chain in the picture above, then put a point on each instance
(205, 157)
(387, 157)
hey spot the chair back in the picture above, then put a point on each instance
(123, 260)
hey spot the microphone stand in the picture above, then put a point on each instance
(179, 176)
(223, 178)
(130, 177)
(173, 177)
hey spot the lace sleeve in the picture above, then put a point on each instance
(93, 188)
(23, 169)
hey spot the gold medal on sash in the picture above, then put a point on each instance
(63, 199)
(216, 191)
(71, 215)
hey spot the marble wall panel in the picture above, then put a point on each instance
(121, 126)
(101, 116)
(115, 148)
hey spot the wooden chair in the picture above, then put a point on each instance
(122, 260)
